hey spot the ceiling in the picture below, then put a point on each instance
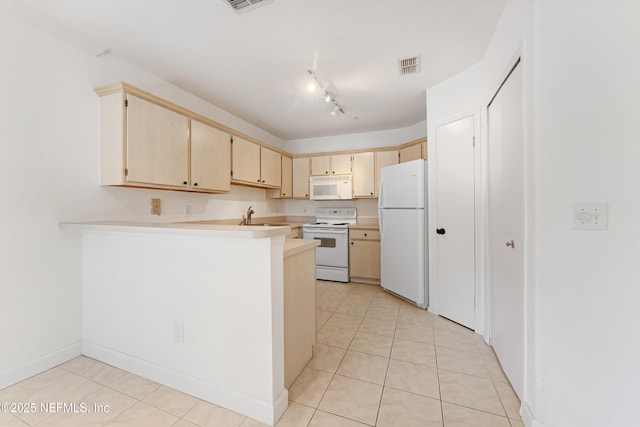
(254, 64)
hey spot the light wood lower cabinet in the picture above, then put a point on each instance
(364, 255)
(299, 312)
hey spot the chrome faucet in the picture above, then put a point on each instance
(250, 212)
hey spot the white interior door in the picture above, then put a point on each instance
(455, 220)
(506, 227)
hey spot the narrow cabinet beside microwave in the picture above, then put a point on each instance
(333, 187)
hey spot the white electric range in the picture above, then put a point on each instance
(332, 230)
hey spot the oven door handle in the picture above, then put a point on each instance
(317, 231)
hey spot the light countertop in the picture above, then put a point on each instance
(188, 228)
(295, 246)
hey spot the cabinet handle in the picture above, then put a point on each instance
(365, 234)
(284, 194)
(258, 181)
(195, 184)
(326, 172)
(184, 182)
(263, 181)
(306, 195)
(371, 193)
(352, 243)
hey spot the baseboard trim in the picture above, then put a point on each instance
(266, 412)
(528, 418)
(41, 364)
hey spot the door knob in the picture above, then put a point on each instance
(440, 230)
(511, 244)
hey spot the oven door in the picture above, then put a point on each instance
(334, 245)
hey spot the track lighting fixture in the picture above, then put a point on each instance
(329, 98)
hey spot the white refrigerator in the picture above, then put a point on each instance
(402, 214)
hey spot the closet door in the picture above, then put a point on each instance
(506, 227)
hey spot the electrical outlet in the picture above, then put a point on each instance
(178, 332)
(156, 207)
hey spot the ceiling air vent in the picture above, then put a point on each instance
(241, 6)
(409, 65)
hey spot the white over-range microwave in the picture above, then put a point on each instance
(331, 187)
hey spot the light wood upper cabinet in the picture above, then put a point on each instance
(363, 175)
(254, 164)
(321, 165)
(384, 159)
(336, 164)
(287, 177)
(413, 152)
(341, 164)
(245, 161)
(285, 190)
(270, 167)
(210, 158)
(301, 177)
(146, 142)
(157, 145)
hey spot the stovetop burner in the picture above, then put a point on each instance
(331, 217)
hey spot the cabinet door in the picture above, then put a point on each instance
(321, 165)
(363, 175)
(245, 161)
(286, 189)
(341, 164)
(384, 159)
(413, 152)
(270, 167)
(301, 177)
(364, 259)
(157, 144)
(210, 158)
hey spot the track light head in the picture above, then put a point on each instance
(328, 97)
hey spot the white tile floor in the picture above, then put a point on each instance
(378, 361)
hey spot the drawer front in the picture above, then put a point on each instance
(364, 234)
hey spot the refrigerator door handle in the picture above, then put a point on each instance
(380, 212)
(380, 194)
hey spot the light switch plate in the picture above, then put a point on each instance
(590, 216)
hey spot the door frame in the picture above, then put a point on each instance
(479, 270)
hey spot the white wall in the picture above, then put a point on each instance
(448, 100)
(581, 90)
(357, 141)
(49, 146)
(586, 149)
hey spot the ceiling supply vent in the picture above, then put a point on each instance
(409, 65)
(241, 6)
